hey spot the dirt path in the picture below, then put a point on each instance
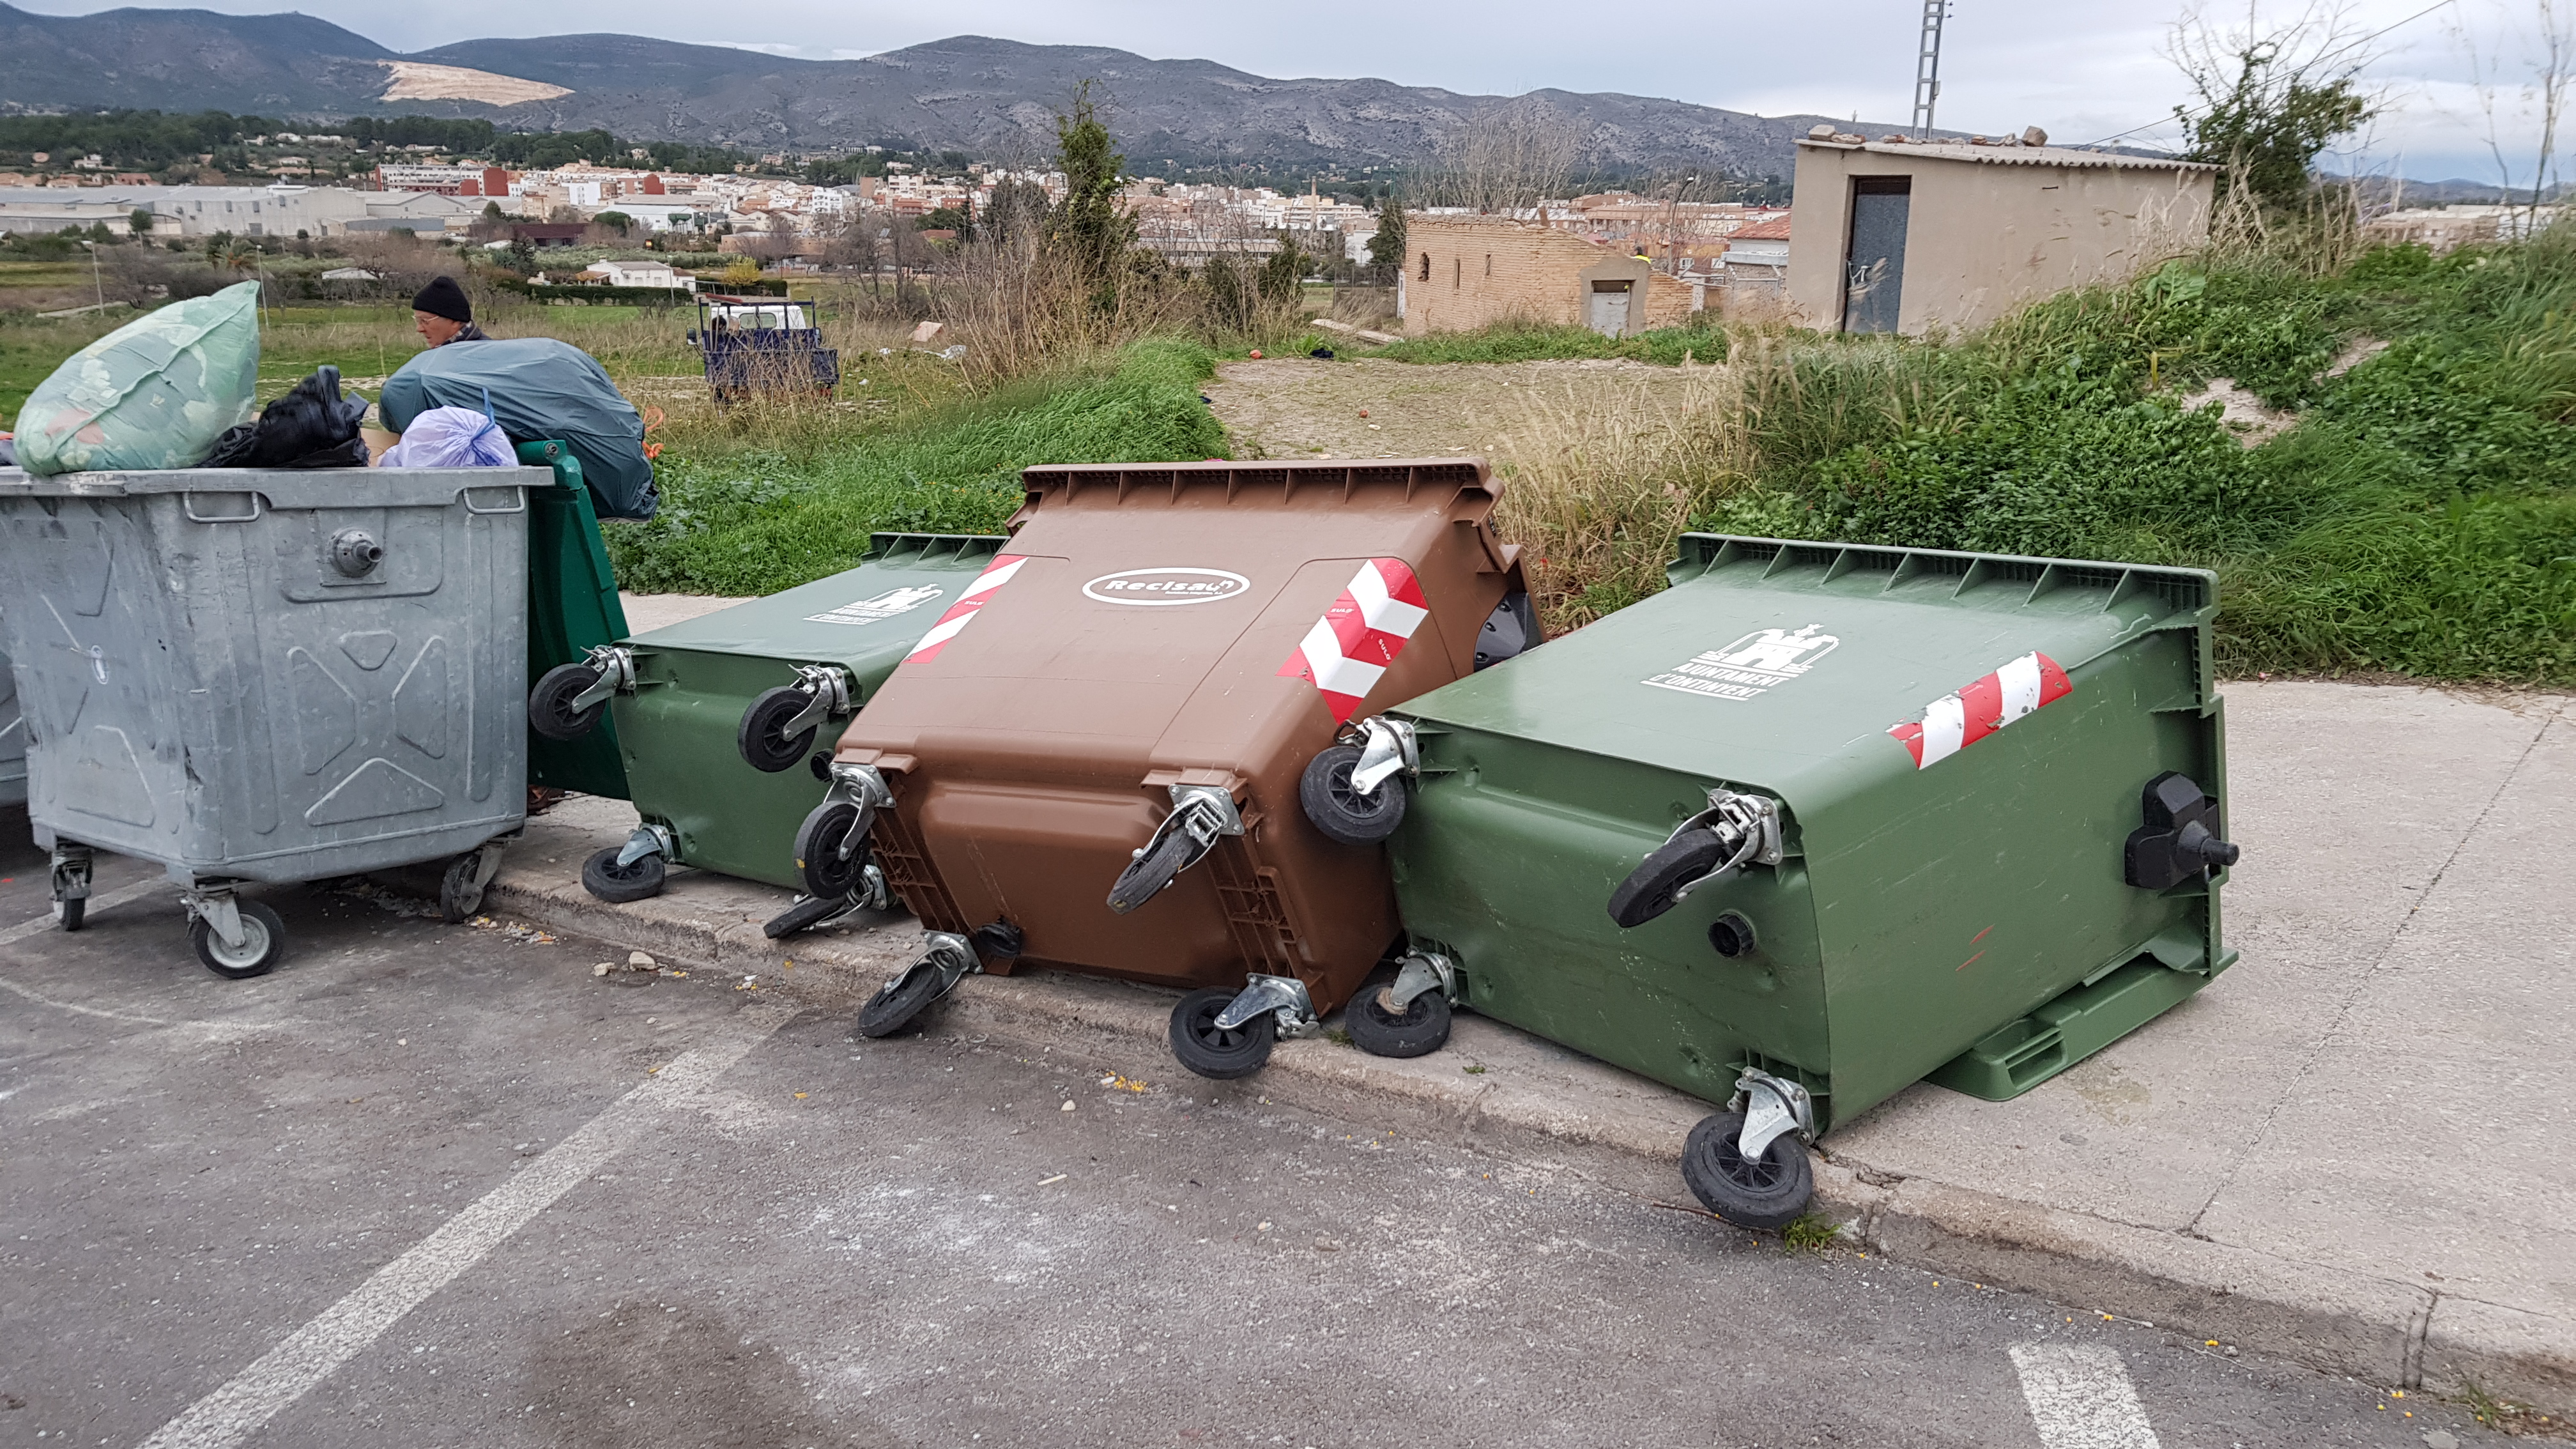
(1297, 407)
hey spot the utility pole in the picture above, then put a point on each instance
(1927, 66)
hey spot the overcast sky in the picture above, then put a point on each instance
(2082, 69)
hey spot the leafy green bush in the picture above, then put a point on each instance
(760, 522)
(2420, 517)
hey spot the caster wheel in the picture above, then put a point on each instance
(1765, 1194)
(637, 880)
(263, 944)
(807, 913)
(897, 1003)
(1648, 890)
(550, 711)
(1417, 1031)
(1218, 1053)
(70, 914)
(1343, 813)
(818, 842)
(1146, 875)
(459, 896)
(760, 741)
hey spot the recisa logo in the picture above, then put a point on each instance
(1158, 588)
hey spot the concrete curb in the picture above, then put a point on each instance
(1498, 1090)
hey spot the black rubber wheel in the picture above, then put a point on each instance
(818, 843)
(1648, 890)
(550, 711)
(71, 913)
(1417, 1031)
(458, 895)
(1766, 1194)
(1146, 875)
(807, 913)
(638, 880)
(263, 948)
(1341, 812)
(1220, 1053)
(759, 740)
(897, 1003)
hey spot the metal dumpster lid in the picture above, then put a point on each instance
(1782, 664)
(282, 487)
(863, 610)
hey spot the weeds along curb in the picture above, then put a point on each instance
(1496, 1090)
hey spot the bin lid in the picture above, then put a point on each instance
(882, 607)
(1164, 608)
(282, 487)
(1810, 670)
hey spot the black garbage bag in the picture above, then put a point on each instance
(311, 427)
(538, 389)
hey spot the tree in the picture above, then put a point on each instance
(2550, 46)
(1386, 249)
(1089, 225)
(1508, 158)
(1018, 210)
(140, 223)
(616, 221)
(2269, 103)
(959, 219)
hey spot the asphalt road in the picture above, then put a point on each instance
(431, 1185)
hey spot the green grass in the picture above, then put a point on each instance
(755, 522)
(2420, 519)
(1535, 342)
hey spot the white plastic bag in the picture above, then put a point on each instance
(451, 438)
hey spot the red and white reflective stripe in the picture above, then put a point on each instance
(995, 574)
(1360, 635)
(1955, 721)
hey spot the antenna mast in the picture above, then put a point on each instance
(1927, 66)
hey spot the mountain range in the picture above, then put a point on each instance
(995, 99)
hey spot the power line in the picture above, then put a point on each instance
(2182, 112)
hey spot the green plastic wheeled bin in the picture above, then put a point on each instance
(573, 608)
(1819, 822)
(718, 718)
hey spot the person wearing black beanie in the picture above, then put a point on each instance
(442, 315)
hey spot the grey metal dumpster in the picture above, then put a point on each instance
(13, 740)
(269, 676)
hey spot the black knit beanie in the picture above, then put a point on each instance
(443, 298)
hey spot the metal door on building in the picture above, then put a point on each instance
(1610, 308)
(1874, 262)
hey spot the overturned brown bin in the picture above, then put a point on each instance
(1125, 748)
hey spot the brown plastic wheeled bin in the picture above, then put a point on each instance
(1125, 749)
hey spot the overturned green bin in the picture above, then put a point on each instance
(1819, 822)
(719, 719)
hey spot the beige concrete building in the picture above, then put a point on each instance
(1465, 272)
(1902, 236)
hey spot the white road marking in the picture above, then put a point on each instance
(116, 897)
(287, 1372)
(2081, 1398)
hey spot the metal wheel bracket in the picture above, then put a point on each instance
(1773, 1107)
(222, 915)
(1283, 996)
(828, 695)
(1204, 813)
(865, 787)
(648, 839)
(873, 893)
(949, 956)
(71, 873)
(616, 666)
(1748, 826)
(487, 862)
(1387, 748)
(1424, 971)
